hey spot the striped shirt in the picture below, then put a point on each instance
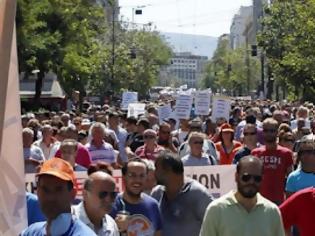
(104, 153)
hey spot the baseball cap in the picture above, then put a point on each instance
(226, 128)
(59, 168)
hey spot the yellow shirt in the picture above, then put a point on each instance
(226, 217)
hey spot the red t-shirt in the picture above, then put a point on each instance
(144, 153)
(83, 157)
(299, 210)
(276, 163)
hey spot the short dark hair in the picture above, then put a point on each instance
(144, 122)
(247, 159)
(132, 120)
(124, 169)
(171, 161)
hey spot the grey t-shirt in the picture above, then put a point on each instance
(183, 215)
(205, 160)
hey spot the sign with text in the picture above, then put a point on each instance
(183, 106)
(218, 179)
(221, 108)
(127, 98)
(164, 112)
(136, 109)
(202, 102)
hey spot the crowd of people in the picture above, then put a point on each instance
(272, 145)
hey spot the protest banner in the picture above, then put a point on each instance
(136, 109)
(183, 106)
(12, 193)
(202, 102)
(218, 179)
(221, 108)
(127, 98)
(164, 112)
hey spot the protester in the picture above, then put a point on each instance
(305, 176)
(182, 200)
(68, 150)
(227, 146)
(299, 210)
(165, 139)
(278, 163)
(99, 149)
(55, 189)
(98, 197)
(144, 216)
(245, 211)
(33, 155)
(150, 149)
(250, 142)
(197, 157)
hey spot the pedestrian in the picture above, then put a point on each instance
(98, 197)
(182, 200)
(244, 211)
(55, 190)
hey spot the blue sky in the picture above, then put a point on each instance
(203, 17)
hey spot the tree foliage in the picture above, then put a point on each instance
(73, 39)
(288, 38)
(229, 70)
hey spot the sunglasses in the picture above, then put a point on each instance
(165, 132)
(249, 133)
(149, 137)
(247, 177)
(269, 130)
(198, 142)
(104, 194)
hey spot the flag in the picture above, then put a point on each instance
(12, 185)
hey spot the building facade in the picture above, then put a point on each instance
(185, 68)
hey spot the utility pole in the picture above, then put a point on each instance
(112, 68)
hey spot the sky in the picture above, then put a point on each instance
(201, 17)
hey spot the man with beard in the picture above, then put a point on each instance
(55, 190)
(98, 197)
(144, 216)
(245, 211)
(277, 160)
(182, 200)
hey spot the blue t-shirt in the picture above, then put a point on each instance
(77, 228)
(298, 180)
(245, 151)
(145, 218)
(34, 213)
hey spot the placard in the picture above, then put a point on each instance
(183, 106)
(164, 112)
(202, 102)
(136, 109)
(221, 108)
(127, 98)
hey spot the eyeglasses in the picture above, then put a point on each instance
(247, 177)
(149, 137)
(198, 142)
(307, 152)
(249, 133)
(269, 130)
(104, 194)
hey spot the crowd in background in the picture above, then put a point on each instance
(280, 135)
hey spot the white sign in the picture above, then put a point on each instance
(127, 98)
(183, 106)
(136, 109)
(202, 102)
(218, 179)
(221, 108)
(164, 112)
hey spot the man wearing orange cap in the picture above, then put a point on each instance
(55, 190)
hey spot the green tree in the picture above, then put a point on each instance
(288, 38)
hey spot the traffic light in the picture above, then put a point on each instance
(254, 50)
(138, 11)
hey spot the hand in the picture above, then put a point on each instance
(122, 222)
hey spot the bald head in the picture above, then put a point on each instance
(97, 177)
(249, 161)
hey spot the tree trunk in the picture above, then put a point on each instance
(38, 88)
